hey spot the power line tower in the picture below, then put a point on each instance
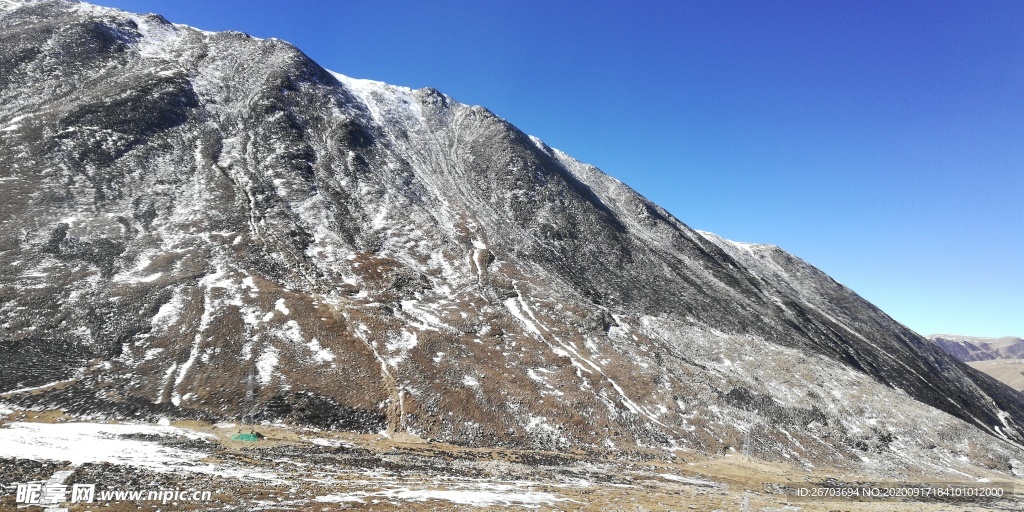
(746, 453)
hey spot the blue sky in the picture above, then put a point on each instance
(882, 141)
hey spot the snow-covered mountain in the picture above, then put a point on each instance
(209, 225)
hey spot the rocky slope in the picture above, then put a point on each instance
(209, 225)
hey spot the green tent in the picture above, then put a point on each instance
(252, 436)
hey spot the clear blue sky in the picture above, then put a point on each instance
(882, 141)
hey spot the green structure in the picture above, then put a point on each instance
(251, 436)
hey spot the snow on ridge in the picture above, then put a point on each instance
(85, 7)
(7, 5)
(365, 85)
(156, 36)
(958, 338)
(379, 96)
(747, 246)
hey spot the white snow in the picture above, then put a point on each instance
(94, 442)
(513, 307)
(378, 97)
(265, 364)
(37, 388)
(685, 480)
(81, 443)
(427, 319)
(535, 375)
(135, 275)
(320, 354)
(328, 442)
(291, 331)
(517, 306)
(532, 373)
(484, 496)
(168, 375)
(218, 279)
(342, 498)
(279, 305)
(15, 119)
(1002, 417)
(403, 342)
(168, 313)
(156, 37)
(250, 284)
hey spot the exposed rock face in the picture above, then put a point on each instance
(974, 348)
(211, 225)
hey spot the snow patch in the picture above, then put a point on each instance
(405, 341)
(320, 354)
(484, 496)
(292, 332)
(693, 481)
(37, 388)
(279, 305)
(513, 307)
(168, 313)
(265, 365)
(81, 443)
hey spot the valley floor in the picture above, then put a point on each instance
(307, 469)
(1007, 371)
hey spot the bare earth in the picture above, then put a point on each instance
(308, 469)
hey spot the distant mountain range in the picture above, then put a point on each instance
(974, 348)
(1001, 358)
(212, 226)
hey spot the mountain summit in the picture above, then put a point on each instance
(208, 225)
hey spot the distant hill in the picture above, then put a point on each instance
(974, 348)
(1001, 358)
